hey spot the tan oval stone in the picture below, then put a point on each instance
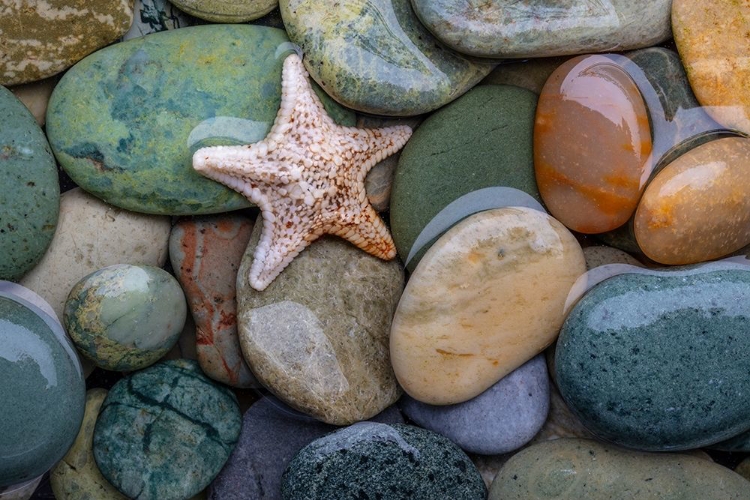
(487, 297)
(698, 207)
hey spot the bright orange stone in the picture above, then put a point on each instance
(592, 144)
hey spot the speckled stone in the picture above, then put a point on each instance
(382, 461)
(227, 11)
(205, 254)
(91, 235)
(125, 317)
(153, 16)
(165, 432)
(41, 39)
(76, 476)
(376, 57)
(152, 101)
(657, 361)
(543, 28)
(589, 470)
(501, 419)
(317, 337)
(41, 388)
(481, 140)
(29, 191)
(35, 96)
(486, 297)
(272, 434)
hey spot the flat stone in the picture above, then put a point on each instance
(501, 419)
(486, 298)
(165, 432)
(317, 337)
(697, 208)
(42, 389)
(205, 254)
(35, 96)
(656, 361)
(543, 28)
(382, 461)
(29, 190)
(586, 469)
(152, 101)
(125, 317)
(592, 143)
(376, 57)
(227, 11)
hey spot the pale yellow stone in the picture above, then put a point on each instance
(487, 297)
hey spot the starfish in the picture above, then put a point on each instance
(307, 176)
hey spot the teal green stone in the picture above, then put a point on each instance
(42, 391)
(483, 139)
(152, 101)
(372, 460)
(125, 317)
(658, 361)
(165, 432)
(376, 57)
(29, 190)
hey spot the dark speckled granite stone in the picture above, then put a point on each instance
(165, 432)
(659, 361)
(379, 461)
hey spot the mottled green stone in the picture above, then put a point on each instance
(125, 317)
(373, 460)
(375, 56)
(42, 391)
(29, 190)
(659, 361)
(227, 11)
(165, 432)
(152, 101)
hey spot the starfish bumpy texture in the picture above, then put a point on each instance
(307, 176)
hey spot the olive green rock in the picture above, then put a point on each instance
(583, 469)
(227, 11)
(152, 101)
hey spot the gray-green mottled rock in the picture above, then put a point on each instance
(530, 74)
(227, 11)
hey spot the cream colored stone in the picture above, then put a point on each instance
(35, 97)
(487, 297)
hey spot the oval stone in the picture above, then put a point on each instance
(698, 207)
(592, 143)
(486, 297)
(657, 361)
(542, 28)
(376, 57)
(589, 470)
(29, 190)
(227, 11)
(145, 114)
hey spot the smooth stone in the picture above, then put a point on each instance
(91, 235)
(591, 182)
(205, 254)
(743, 469)
(716, 59)
(656, 361)
(501, 419)
(76, 476)
(599, 255)
(35, 96)
(544, 28)
(589, 470)
(697, 208)
(165, 432)
(739, 443)
(227, 11)
(272, 434)
(42, 391)
(531, 74)
(30, 194)
(43, 40)
(23, 491)
(145, 114)
(375, 460)
(486, 297)
(317, 337)
(483, 139)
(376, 57)
(125, 317)
(153, 16)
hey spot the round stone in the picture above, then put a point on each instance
(125, 317)
(41, 388)
(165, 432)
(227, 11)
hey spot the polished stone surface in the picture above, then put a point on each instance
(227, 11)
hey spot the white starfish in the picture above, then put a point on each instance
(307, 176)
